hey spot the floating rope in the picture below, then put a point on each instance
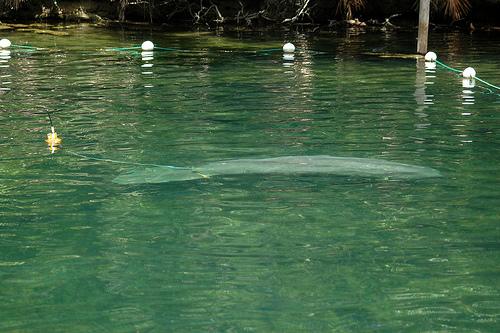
(123, 48)
(125, 162)
(14, 46)
(134, 48)
(54, 142)
(268, 50)
(50, 118)
(459, 71)
(448, 67)
(487, 83)
(167, 49)
(53, 145)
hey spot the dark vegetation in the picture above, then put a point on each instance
(254, 13)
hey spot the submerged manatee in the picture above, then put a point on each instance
(295, 165)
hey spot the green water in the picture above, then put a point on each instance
(248, 253)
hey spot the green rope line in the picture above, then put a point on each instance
(171, 49)
(133, 48)
(459, 71)
(124, 48)
(298, 49)
(14, 46)
(124, 162)
(489, 91)
(92, 158)
(448, 67)
(268, 50)
(487, 83)
(166, 49)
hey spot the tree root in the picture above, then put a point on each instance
(301, 12)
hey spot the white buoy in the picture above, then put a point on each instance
(469, 73)
(288, 48)
(5, 43)
(430, 56)
(148, 46)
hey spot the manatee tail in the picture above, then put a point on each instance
(158, 175)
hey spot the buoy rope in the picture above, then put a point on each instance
(171, 49)
(50, 118)
(448, 67)
(459, 71)
(140, 47)
(487, 83)
(166, 49)
(124, 162)
(24, 47)
(110, 160)
(123, 48)
(296, 50)
(269, 50)
(158, 48)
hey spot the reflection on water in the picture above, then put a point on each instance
(262, 253)
(425, 76)
(4, 57)
(4, 76)
(288, 59)
(147, 67)
(467, 92)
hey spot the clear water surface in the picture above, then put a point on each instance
(248, 253)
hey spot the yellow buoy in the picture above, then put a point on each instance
(53, 140)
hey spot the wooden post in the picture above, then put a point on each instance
(423, 26)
